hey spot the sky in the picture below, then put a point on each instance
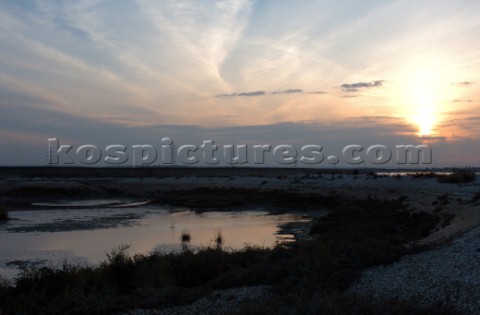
(329, 73)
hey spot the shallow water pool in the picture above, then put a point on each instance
(86, 235)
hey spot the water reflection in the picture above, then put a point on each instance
(85, 235)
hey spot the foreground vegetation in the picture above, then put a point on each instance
(224, 198)
(461, 175)
(306, 277)
(3, 214)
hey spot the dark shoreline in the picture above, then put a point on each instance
(220, 171)
(372, 220)
(357, 234)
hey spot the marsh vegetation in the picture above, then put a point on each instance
(305, 277)
(3, 214)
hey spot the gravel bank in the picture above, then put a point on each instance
(220, 302)
(450, 275)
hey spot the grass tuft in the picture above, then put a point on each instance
(185, 237)
(219, 240)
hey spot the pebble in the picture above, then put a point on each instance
(219, 302)
(446, 275)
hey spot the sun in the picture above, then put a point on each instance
(425, 115)
(424, 93)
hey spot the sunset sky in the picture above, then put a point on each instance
(332, 73)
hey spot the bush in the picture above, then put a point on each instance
(462, 175)
(3, 214)
(476, 197)
(354, 236)
(223, 198)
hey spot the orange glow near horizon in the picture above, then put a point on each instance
(426, 93)
(425, 115)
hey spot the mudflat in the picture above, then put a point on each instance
(221, 189)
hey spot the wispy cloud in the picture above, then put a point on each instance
(255, 93)
(147, 62)
(263, 93)
(434, 138)
(356, 87)
(375, 118)
(290, 91)
(464, 83)
(462, 101)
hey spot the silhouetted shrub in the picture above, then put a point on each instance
(222, 198)
(3, 214)
(354, 236)
(462, 175)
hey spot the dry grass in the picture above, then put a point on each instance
(355, 236)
